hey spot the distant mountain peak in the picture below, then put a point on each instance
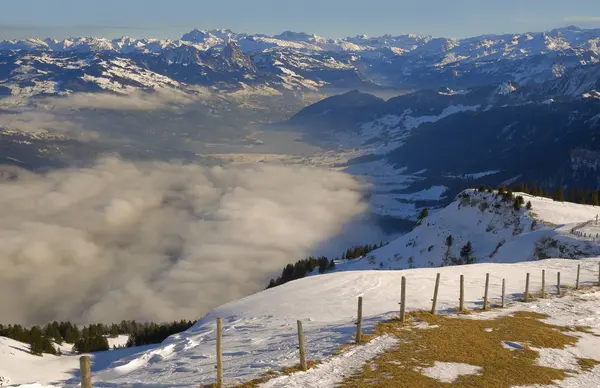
(233, 54)
(195, 35)
(295, 36)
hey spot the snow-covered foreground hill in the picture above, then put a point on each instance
(260, 330)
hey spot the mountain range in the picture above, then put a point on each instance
(293, 61)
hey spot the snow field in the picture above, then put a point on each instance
(260, 332)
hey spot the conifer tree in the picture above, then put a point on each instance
(518, 202)
(466, 254)
(424, 214)
(595, 200)
(331, 265)
(559, 195)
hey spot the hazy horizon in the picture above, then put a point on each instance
(58, 33)
(336, 19)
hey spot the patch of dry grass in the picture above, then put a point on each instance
(296, 368)
(531, 298)
(470, 342)
(587, 364)
(272, 374)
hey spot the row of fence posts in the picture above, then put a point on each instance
(85, 366)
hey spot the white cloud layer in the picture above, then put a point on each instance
(139, 100)
(55, 116)
(158, 241)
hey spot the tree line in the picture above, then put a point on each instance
(575, 195)
(306, 266)
(91, 338)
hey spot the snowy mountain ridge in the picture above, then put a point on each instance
(512, 45)
(302, 62)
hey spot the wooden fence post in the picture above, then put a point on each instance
(461, 305)
(403, 300)
(543, 283)
(85, 371)
(435, 293)
(301, 346)
(577, 281)
(558, 283)
(359, 321)
(219, 353)
(503, 292)
(485, 295)
(526, 297)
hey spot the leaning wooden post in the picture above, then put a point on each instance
(526, 297)
(461, 305)
(403, 300)
(85, 370)
(558, 283)
(219, 353)
(359, 321)
(435, 293)
(485, 295)
(577, 281)
(503, 292)
(301, 347)
(543, 283)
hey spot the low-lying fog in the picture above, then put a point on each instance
(112, 237)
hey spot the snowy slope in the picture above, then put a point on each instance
(18, 366)
(497, 232)
(260, 330)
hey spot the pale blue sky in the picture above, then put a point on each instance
(335, 18)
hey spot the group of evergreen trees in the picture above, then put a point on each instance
(360, 251)
(301, 268)
(92, 338)
(38, 338)
(508, 195)
(152, 333)
(304, 267)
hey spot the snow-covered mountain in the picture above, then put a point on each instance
(303, 62)
(422, 148)
(497, 232)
